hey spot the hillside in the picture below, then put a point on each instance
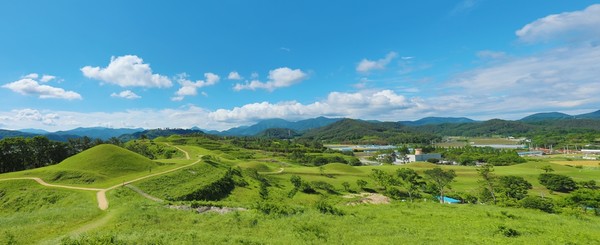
(437, 120)
(155, 133)
(278, 133)
(358, 131)
(302, 125)
(591, 115)
(545, 116)
(99, 132)
(102, 161)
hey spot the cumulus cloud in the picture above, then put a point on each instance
(190, 88)
(234, 76)
(127, 71)
(28, 85)
(278, 78)
(127, 94)
(366, 65)
(365, 104)
(583, 24)
(47, 78)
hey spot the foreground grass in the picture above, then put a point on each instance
(146, 222)
(31, 213)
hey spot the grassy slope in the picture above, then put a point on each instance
(31, 213)
(101, 166)
(399, 223)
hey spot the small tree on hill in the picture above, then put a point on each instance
(346, 185)
(513, 187)
(488, 181)
(440, 179)
(557, 182)
(411, 180)
(547, 169)
(361, 184)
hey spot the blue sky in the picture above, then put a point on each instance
(220, 64)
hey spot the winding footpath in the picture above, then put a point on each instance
(101, 193)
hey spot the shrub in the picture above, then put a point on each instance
(271, 208)
(543, 204)
(326, 208)
(557, 182)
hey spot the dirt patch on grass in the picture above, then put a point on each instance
(368, 198)
(203, 209)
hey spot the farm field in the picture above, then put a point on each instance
(160, 208)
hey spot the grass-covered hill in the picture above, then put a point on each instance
(101, 165)
(108, 160)
(358, 131)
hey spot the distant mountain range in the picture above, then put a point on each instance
(437, 120)
(94, 133)
(281, 128)
(544, 116)
(261, 126)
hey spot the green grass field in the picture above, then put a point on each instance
(31, 213)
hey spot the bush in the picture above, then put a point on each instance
(557, 182)
(277, 209)
(327, 208)
(307, 188)
(543, 204)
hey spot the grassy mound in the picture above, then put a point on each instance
(260, 167)
(340, 167)
(107, 160)
(200, 182)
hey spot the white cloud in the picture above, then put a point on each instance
(234, 76)
(31, 76)
(190, 88)
(29, 86)
(47, 78)
(278, 78)
(127, 94)
(127, 71)
(464, 6)
(583, 24)
(560, 79)
(489, 54)
(367, 104)
(366, 65)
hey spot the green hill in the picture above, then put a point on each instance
(97, 164)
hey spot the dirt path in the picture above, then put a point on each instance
(42, 182)
(144, 194)
(101, 193)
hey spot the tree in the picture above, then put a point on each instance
(547, 169)
(346, 185)
(557, 182)
(263, 191)
(513, 187)
(440, 179)
(543, 204)
(361, 183)
(411, 180)
(382, 178)
(486, 172)
(296, 181)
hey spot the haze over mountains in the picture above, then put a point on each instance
(260, 127)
